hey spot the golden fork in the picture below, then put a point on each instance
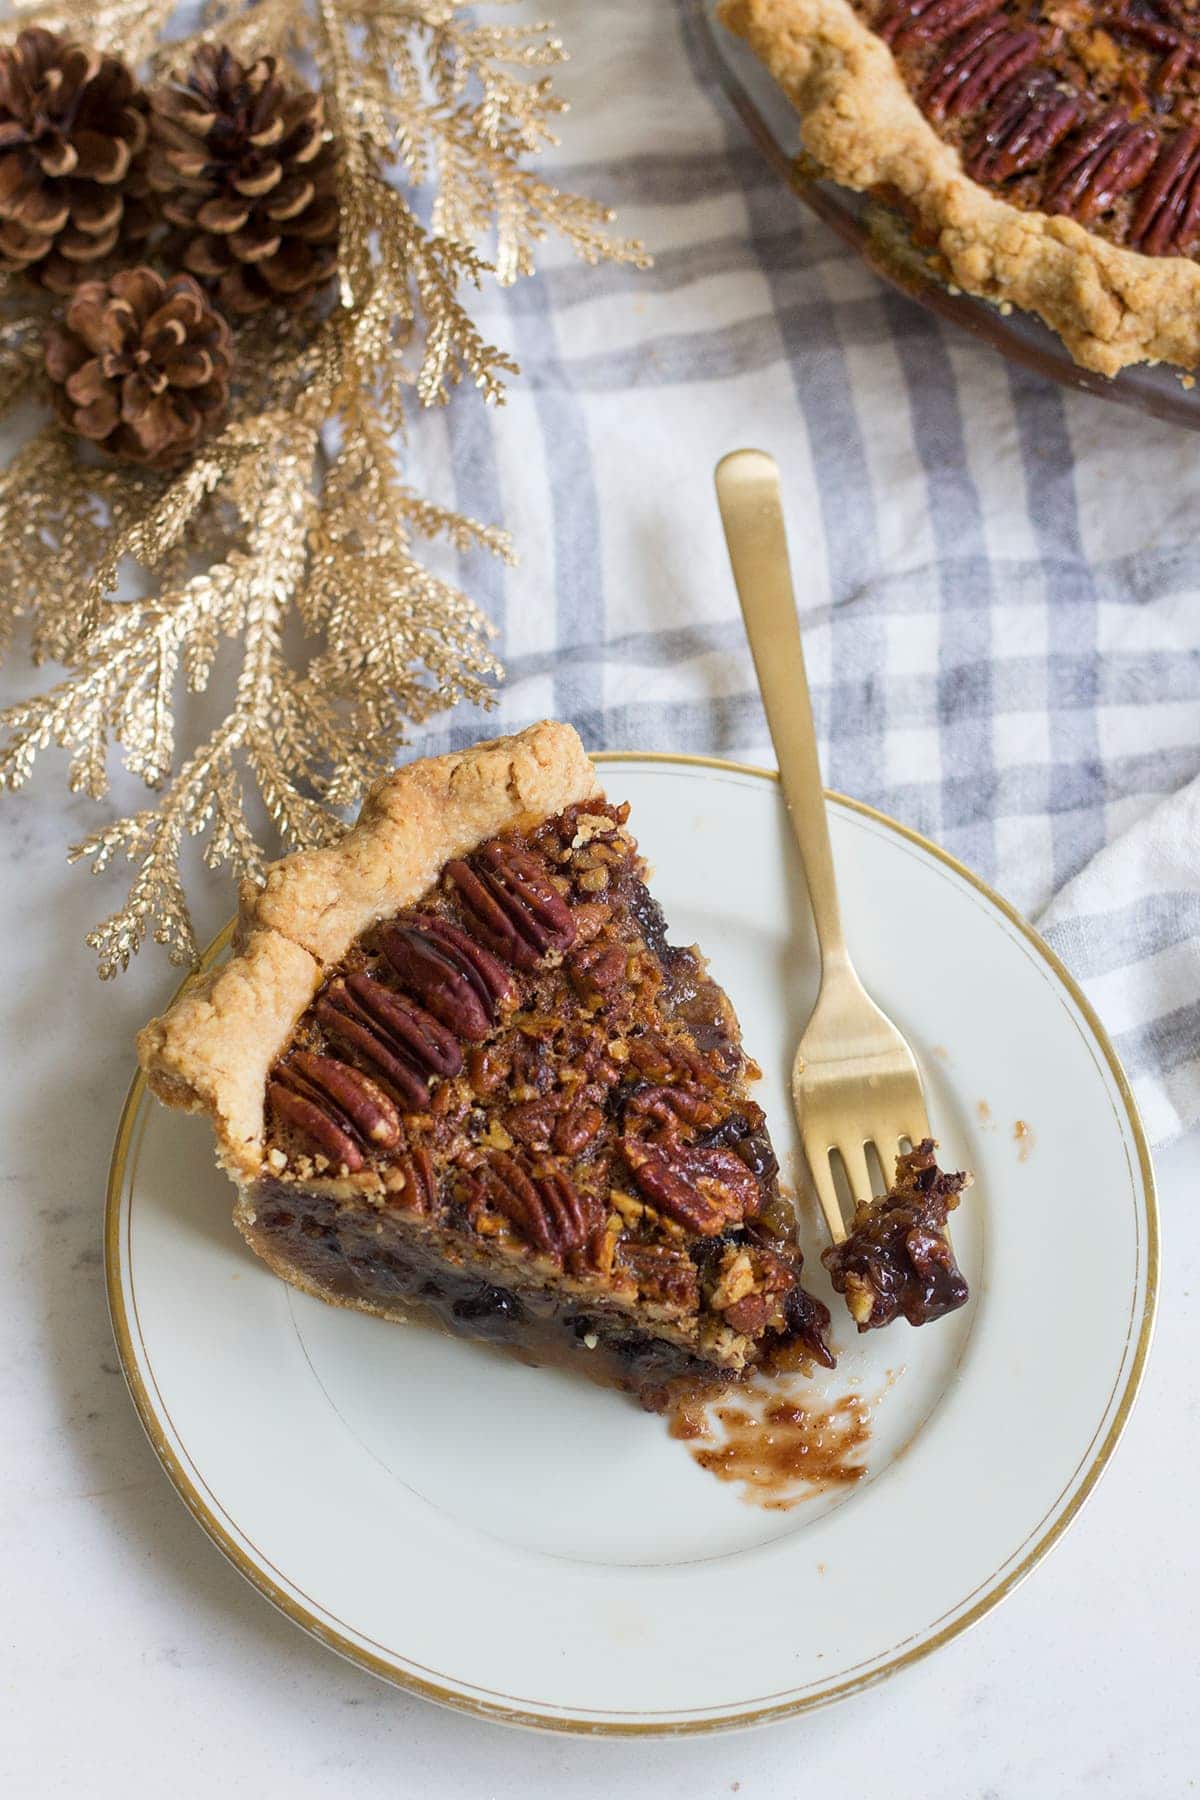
(855, 1082)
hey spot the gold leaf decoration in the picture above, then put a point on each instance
(297, 513)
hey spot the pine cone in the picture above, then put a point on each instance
(245, 167)
(141, 366)
(72, 188)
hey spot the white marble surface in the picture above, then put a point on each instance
(137, 1662)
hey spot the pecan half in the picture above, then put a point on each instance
(1098, 164)
(1168, 210)
(334, 1107)
(907, 23)
(492, 980)
(1175, 42)
(512, 904)
(976, 66)
(314, 1125)
(359, 1099)
(415, 1032)
(442, 978)
(343, 1018)
(1029, 120)
(702, 1189)
(543, 1206)
(752, 1288)
(572, 1214)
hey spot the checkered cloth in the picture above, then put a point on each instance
(999, 582)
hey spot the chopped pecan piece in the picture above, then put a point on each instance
(597, 969)
(561, 1121)
(487, 1069)
(667, 1059)
(532, 1123)
(512, 904)
(749, 1315)
(412, 1182)
(753, 1287)
(662, 1274)
(671, 1107)
(735, 1278)
(575, 1129)
(590, 916)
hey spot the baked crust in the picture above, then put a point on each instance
(212, 1050)
(1110, 305)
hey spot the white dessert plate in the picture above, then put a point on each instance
(528, 1547)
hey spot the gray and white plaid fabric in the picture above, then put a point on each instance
(999, 582)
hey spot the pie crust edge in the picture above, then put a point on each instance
(212, 1050)
(1110, 305)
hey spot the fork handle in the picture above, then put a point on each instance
(751, 506)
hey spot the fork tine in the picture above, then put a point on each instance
(918, 1126)
(858, 1175)
(822, 1179)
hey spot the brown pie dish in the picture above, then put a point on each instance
(1045, 152)
(459, 1074)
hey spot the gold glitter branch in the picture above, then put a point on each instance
(294, 523)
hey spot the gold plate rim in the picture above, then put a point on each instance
(515, 1715)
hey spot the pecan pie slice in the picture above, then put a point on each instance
(1046, 152)
(459, 1074)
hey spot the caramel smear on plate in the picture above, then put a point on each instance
(1023, 1139)
(776, 1441)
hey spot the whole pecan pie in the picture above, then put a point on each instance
(459, 1074)
(1046, 151)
